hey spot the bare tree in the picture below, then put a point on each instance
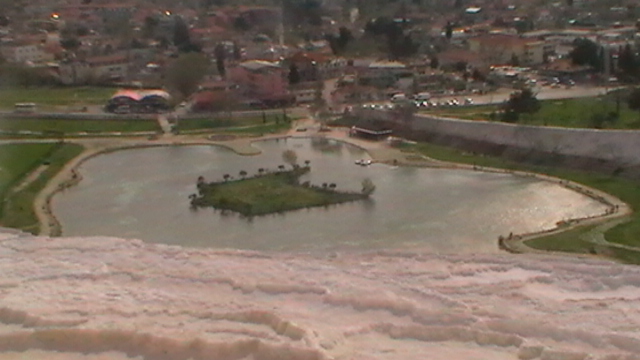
(368, 187)
(290, 157)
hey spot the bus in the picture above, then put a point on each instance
(25, 108)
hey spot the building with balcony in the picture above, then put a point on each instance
(261, 80)
(501, 49)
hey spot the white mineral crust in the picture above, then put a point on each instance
(106, 298)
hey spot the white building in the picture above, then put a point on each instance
(26, 53)
(99, 69)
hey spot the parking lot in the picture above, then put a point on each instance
(497, 97)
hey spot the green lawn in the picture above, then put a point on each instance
(269, 193)
(232, 122)
(573, 240)
(17, 161)
(55, 96)
(258, 130)
(54, 126)
(575, 113)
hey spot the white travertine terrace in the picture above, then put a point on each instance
(106, 298)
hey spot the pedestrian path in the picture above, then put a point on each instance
(164, 123)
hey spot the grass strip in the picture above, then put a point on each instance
(590, 112)
(17, 207)
(55, 96)
(55, 127)
(233, 122)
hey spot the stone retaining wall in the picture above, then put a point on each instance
(610, 151)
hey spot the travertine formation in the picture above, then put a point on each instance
(106, 298)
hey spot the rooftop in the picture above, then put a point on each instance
(256, 65)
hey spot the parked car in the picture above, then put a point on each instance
(423, 96)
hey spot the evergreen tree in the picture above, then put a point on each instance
(344, 36)
(181, 37)
(237, 51)
(627, 61)
(186, 72)
(220, 56)
(585, 52)
(448, 30)
(521, 102)
(515, 60)
(434, 62)
(294, 74)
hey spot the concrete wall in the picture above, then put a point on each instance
(619, 148)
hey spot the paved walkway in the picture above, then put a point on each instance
(163, 122)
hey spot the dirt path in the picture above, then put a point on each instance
(35, 174)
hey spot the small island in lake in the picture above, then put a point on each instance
(272, 192)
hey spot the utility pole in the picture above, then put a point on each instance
(280, 30)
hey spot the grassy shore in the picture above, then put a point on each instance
(269, 193)
(575, 240)
(18, 160)
(271, 120)
(574, 113)
(66, 126)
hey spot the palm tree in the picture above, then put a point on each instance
(290, 157)
(243, 174)
(226, 177)
(261, 171)
(200, 183)
(306, 163)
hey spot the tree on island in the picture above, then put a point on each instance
(274, 192)
(290, 157)
(201, 182)
(368, 187)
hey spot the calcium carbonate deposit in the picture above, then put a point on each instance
(105, 298)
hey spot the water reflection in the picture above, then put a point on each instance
(143, 193)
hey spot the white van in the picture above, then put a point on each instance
(400, 97)
(423, 96)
